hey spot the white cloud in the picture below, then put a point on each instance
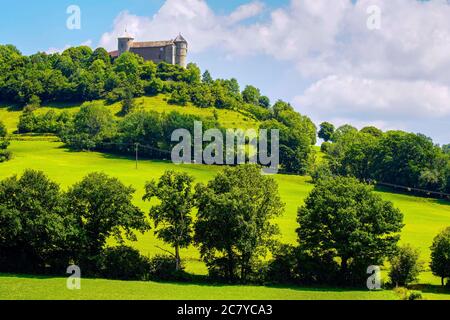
(246, 11)
(398, 75)
(369, 99)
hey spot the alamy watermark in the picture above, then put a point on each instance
(74, 280)
(237, 147)
(374, 280)
(73, 22)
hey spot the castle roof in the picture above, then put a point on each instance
(179, 38)
(150, 44)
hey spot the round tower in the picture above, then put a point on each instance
(125, 43)
(181, 51)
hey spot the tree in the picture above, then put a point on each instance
(34, 229)
(172, 217)
(234, 226)
(3, 130)
(128, 104)
(206, 77)
(92, 125)
(446, 148)
(251, 95)
(144, 128)
(405, 266)
(326, 131)
(264, 102)
(372, 131)
(4, 143)
(102, 207)
(345, 219)
(440, 255)
(342, 131)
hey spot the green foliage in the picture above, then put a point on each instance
(446, 148)
(240, 203)
(296, 132)
(372, 131)
(92, 125)
(394, 157)
(3, 130)
(326, 131)
(4, 143)
(102, 207)
(342, 131)
(50, 122)
(264, 102)
(251, 95)
(163, 268)
(33, 231)
(128, 105)
(405, 266)
(206, 77)
(344, 219)
(440, 255)
(123, 263)
(172, 217)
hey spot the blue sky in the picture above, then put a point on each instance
(320, 55)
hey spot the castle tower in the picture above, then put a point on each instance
(181, 49)
(125, 43)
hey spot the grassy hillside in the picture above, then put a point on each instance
(424, 218)
(227, 118)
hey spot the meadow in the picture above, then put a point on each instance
(423, 218)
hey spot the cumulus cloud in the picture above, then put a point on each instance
(369, 99)
(393, 75)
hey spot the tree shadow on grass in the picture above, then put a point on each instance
(440, 201)
(430, 288)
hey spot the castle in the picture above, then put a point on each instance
(170, 51)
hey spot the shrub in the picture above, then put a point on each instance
(405, 266)
(281, 269)
(124, 263)
(163, 268)
(405, 294)
(5, 155)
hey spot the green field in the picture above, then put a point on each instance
(424, 218)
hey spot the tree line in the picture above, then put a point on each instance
(394, 157)
(43, 229)
(94, 127)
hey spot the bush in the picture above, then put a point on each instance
(281, 269)
(163, 268)
(405, 266)
(405, 294)
(321, 171)
(5, 155)
(124, 263)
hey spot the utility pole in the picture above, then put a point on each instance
(136, 148)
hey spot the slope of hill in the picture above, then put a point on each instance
(424, 218)
(227, 118)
